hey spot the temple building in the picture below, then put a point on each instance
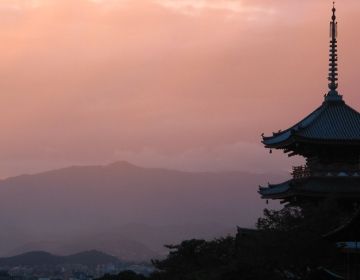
(329, 140)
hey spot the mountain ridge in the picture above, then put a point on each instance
(34, 258)
(86, 207)
(125, 164)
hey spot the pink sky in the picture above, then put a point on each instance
(185, 84)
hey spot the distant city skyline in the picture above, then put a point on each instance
(188, 85)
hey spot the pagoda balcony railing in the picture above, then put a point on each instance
(303, 171)
(300, 172)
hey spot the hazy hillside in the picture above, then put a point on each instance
(122, 209)
(88, 258)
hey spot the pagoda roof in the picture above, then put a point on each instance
(345, 187)
(349, 230)
(334, 122)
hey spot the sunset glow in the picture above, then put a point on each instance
(186, 84)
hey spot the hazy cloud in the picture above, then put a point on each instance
(196, 6)
(85, 82)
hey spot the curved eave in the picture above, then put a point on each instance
(278, 140)
(275, 191)
(349, 230)
(333, 123)
(328, 141)
(344, 187)
(284, 138)
(284, 143)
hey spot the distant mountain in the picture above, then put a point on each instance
(123, 209)
(113, 243)
(89, 258)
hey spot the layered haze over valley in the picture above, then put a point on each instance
(122, 209)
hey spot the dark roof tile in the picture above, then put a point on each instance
(332, 121)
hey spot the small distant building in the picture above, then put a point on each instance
(329, 139)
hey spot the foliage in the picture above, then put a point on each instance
(124, 275)
(287, 243)
(280, 220)
(211, 260)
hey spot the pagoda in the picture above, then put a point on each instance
(329, 140)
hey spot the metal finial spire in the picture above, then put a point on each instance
(333, 70)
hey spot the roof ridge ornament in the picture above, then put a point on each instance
(333, 94)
